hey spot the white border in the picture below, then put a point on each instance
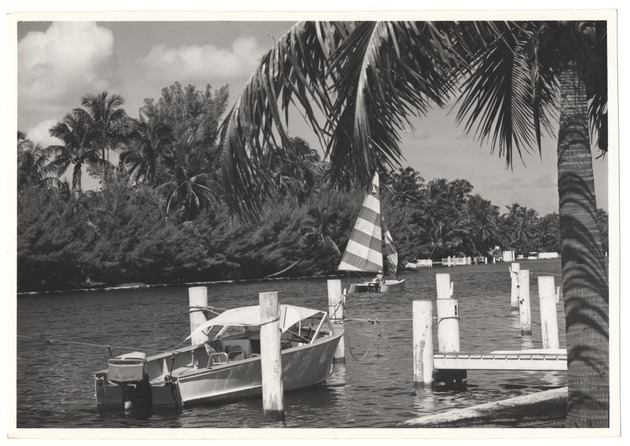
(326, 11)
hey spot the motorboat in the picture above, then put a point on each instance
(226, 367)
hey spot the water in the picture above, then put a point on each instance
(55, 386)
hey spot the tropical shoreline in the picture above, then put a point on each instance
(174, 284)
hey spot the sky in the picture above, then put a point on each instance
(59, 62)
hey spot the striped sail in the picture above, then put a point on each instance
(365, 247)
(389, 249)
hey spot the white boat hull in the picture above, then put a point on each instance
(388, 286)
(191, 382)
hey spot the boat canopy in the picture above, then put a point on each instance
(250, 317)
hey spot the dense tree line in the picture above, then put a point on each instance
(160, 214)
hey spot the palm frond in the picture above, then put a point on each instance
(292, 73)
(384, 73)
(497, 96)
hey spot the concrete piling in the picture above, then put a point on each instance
(548, 312)
(336, 308)
(524, 303)
(197, 299)
(514, 270)
(422, 327)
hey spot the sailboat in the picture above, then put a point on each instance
(369, 242)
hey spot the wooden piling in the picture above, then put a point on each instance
(548, 312)
(270, 357)
(197, 299)
(524, 303)
(336, 308)
(422, 327)
(514, 270)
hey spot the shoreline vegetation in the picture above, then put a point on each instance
(161, 213)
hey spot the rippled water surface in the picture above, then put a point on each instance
(55, 381)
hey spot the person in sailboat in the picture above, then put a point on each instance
(375, 284)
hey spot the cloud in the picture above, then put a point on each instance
(419, 134)
(207, 62)
(546, 180)
(60, 65)
(40, 133)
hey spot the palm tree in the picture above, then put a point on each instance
(484, 227)
(515, 84)
(292, 169)
(33, 164)
(368, 78)
(78, 147)
(318, 230)
(404, 185)
(73, 201)
(548, 233)
(144, 147)
(106, 119)
(519, 226)
(187, 192)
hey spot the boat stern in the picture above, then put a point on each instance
(125, 384)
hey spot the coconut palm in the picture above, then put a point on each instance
(292, 169)
(368, 78)
(484, 226)
(73, 201)
(187, 192)
(143, 149)
(33, 167)
(318, 229)
(78, 149)
(404, 185)
(510, 94)
(106, 119)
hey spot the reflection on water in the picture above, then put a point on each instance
(55, 381)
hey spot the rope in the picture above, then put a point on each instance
(369, 346)
(90, 344)
(378, 321)
(215, 310)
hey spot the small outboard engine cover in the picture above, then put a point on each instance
(129, 368)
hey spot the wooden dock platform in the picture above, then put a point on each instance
(502, 360)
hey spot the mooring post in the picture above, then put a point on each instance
(422, 333)
(444, 286)
(447, 315)
(270, 357)
(514, 270)
(548, 312)
(448, 325)
(197, 300)
(336, 307)
(524, 303)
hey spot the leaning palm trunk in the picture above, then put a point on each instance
(584, 276)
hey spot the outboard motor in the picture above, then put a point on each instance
(130, 372)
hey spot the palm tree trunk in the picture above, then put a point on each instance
(584, 276)
(104, 168)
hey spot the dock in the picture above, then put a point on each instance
(508, 360)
